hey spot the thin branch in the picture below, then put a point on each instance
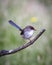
(7, 52)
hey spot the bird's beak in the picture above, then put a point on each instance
(35, 29)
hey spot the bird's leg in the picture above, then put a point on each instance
(30, 39)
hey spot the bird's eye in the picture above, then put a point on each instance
(32, 28)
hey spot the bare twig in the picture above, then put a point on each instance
(7, 52)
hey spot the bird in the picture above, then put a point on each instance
(26, 32)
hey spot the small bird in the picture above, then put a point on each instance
(27, 32)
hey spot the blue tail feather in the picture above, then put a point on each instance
(12, 23)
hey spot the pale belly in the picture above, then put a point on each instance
(28, 34)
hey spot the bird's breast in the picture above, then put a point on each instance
(28, 34)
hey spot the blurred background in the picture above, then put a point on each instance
(37, 13)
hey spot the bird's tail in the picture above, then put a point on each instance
(12, 23)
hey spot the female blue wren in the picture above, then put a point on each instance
(27, 32)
